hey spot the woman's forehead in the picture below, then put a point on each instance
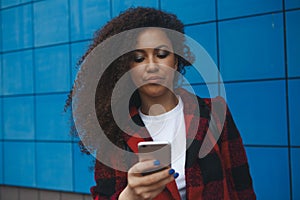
(152, 38)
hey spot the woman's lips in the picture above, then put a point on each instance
(154, 79)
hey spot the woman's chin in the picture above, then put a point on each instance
(154, 90)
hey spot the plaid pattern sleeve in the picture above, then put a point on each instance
(233, 156)
(222, 173)
(109, 182)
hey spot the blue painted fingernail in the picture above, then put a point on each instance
(176, 175)
(156, 162)
(171, 171)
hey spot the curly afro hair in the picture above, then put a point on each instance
(130, 19)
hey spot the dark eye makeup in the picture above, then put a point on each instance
(162, 53)
(139, 57)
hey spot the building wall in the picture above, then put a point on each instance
(255, 45)
(21, 193)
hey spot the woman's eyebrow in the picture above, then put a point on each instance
(163, 46)
(139, 50)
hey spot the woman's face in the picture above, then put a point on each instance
(153, 63)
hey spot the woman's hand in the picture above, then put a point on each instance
(148, 186)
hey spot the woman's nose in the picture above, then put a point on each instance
(152, 65)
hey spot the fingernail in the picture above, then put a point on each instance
(171, 171)
(156, 162)
(176, 175)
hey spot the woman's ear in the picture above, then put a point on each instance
(176, 63)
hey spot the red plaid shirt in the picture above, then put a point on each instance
(222, 174)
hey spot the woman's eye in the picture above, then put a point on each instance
(138, 59)
(163, 54)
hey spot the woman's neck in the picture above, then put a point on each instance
(158, 105)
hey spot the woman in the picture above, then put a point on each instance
(222, 174)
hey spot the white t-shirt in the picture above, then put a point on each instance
(170, 126)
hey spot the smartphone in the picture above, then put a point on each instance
(155, 150)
